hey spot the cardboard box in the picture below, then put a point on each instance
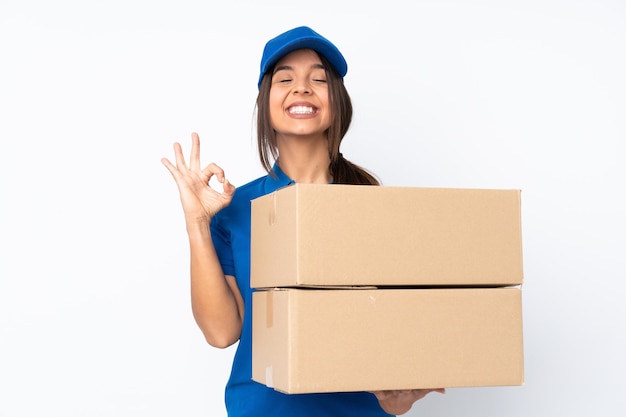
(327, 235)
(330, 340)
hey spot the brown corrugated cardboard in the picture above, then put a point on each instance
(327, 235)
(328, 340)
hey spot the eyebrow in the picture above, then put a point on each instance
(289, 68)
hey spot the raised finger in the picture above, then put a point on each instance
(180, 159)
(170, 167)
(194, 158)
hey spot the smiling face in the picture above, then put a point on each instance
(299, 101)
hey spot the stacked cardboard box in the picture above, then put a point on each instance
(374, 288)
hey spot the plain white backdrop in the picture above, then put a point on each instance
(95, 317)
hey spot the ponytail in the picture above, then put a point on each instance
(345, 172)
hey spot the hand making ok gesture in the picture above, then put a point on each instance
(200, 201)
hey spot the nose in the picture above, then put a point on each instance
(302, 86)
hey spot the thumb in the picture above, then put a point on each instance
(229, 189)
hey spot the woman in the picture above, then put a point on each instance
(303, 112)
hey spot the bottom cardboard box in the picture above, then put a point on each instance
(334, 340)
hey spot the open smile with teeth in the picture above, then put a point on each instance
(301, 110)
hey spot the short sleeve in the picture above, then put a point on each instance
(222, 242)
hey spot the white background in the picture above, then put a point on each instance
(94, 299)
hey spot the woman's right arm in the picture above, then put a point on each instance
(215, 298)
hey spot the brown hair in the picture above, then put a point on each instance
(341, 170)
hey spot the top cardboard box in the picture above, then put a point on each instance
(353, 235)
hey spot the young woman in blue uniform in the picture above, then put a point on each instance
(303, 113)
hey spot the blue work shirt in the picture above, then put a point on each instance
(230, 230)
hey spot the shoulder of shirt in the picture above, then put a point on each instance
(256, 188)
(240, 204)
(252, 189)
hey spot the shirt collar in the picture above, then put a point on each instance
(277, 179)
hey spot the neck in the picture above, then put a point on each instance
(304, 161)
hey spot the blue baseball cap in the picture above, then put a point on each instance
(301, 38)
